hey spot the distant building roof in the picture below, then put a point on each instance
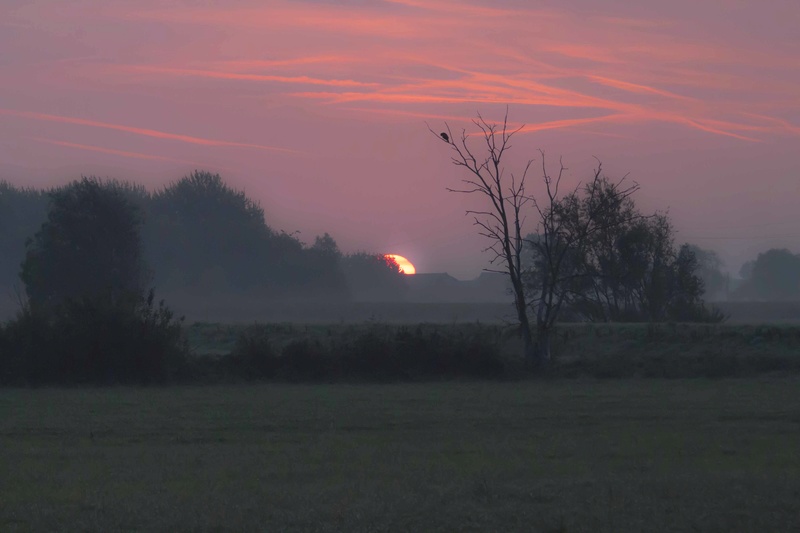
(431, 279)
(442, 287)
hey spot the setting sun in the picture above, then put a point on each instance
(405, 265)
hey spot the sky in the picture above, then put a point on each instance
(319, 109)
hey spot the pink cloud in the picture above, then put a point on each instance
(139, 131)
(302, 80)
(111, 151)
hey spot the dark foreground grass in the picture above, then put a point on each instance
(635, 455)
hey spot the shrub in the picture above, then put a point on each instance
(375, 353)
(253, 355)
(306, 360)
(82, 341)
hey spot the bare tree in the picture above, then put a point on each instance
(565, 225)
(501, 223)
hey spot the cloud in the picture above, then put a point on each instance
(239, 65)
(139, 131)
(778, 122)
(111, 151)
(406, 56)
(302, 80)
(636, 88)
(461, 8)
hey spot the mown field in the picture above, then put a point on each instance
(563, 455)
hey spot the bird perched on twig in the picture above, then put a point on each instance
(445, 136)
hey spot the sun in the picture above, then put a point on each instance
(405, 265)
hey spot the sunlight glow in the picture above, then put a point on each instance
(405, 265)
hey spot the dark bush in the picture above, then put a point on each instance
(368, 354)
(253, 355)
(306, 360)
(374, 353)
(82, 341)
(616, 365)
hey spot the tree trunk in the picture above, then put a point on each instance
(543, 353)
(525, 330)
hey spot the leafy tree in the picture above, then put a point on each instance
(326, 249)
(22, 212)
(198, 225)
(709, 269)
(685, 298)
(648, 251)
(89, 247)
(203, 233)
(610, 259)
(746, 270)
(628, 268)
(635, 273)
(568, 226)
(373, 277)
(325, 265)
(775, 276)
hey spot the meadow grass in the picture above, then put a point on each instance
(562, 455)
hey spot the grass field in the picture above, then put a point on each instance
(566, 455)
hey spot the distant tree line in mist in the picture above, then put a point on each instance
(200, 236)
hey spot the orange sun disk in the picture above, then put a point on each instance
(405, 265)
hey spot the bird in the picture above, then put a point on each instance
(445, 136)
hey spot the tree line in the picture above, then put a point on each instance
(89, 312)
(199, 234)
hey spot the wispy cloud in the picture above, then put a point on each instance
(571, 123)
(638, 23)
(404, 56)
(111, 151)
(239, 65)
(301, 80)
(636, 88)
(449, 7)
(777, 122)
(140, 131)
(586, 52)
(521, 128)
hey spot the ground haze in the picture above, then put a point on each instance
(630, 455)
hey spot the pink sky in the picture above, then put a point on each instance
(318, 108)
